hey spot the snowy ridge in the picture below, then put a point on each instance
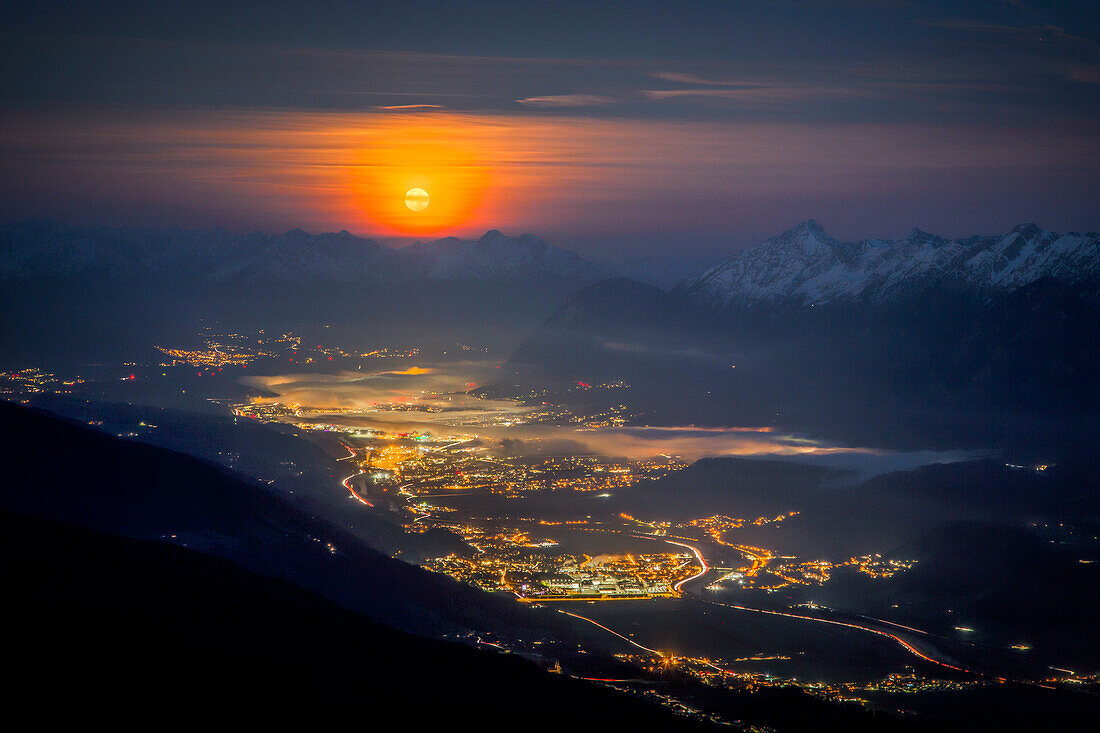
(805, 266)
(41, 249)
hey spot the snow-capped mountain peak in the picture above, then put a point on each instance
(804, 265)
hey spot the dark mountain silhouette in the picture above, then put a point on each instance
(40, 249)
(139, 631)
(61, 471)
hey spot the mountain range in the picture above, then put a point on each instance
(42, 249)
(806, 266)
(801, 266)
(951, 341)
(920, 341)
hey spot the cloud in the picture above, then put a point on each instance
(372, 401)
(760, 95)
(410, 107)
(154, 72)
(766, 92)
(1019, 31)
(1087, 73)
(682, 78)
(560, 175)
(568, 100)
(542, 447)
(631, 347)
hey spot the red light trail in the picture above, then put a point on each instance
(347, 485)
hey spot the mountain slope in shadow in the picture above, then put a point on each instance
(143, 632)
(62, 471)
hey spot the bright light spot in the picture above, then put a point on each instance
(416, 199)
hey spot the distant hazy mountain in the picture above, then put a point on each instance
(42, 249)
(495, 256)
(805, 266)
(921, 341)
(663, 271)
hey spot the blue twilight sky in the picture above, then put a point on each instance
(617, 128)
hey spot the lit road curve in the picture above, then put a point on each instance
(704, 568)
(907, 645)
(347, 485)
(347, 482)
(678, 586)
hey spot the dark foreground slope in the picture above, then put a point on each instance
(58, 470)
(144, 633)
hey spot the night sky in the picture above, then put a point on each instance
(614, 128)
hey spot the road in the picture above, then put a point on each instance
(347, 485)
(347, 482)
(612, 631)
(698, 558)
(908, 645)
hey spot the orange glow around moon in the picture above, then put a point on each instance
(396, 175)
(326, 171)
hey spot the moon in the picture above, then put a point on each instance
(416, 199)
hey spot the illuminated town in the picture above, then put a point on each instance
(34, 380)
(517, 520)
(413, 475)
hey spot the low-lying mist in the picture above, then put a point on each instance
(433, 397)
